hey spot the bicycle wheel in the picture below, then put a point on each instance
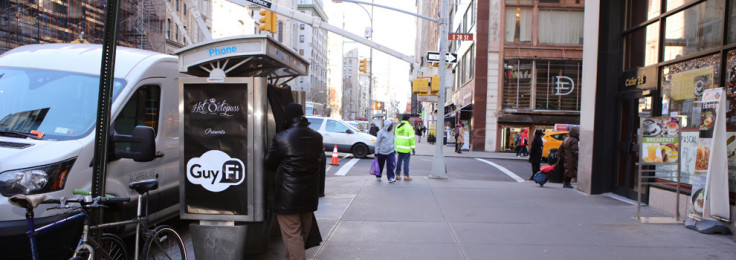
(114, 247)
(164, 243)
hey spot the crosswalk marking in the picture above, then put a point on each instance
(344, 170)
(504, 170)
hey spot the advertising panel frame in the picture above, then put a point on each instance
(256, 122)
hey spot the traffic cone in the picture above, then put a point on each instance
(334, 157)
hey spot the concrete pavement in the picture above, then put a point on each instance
(470, 219)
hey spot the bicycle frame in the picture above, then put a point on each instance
(33, 232)
(138, 221)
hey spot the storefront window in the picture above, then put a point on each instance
(558, 85)
(640, 11)
(672, 4)
(682, 87)
(517, 89)
(732, 21)
(519, 24)
(641, 47)
(560, 26)
(694, 30)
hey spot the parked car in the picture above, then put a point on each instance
(347, 138)
(552, 142)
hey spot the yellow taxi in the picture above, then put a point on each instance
(552, 141)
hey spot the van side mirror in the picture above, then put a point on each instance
(142, 144)
(349, 131)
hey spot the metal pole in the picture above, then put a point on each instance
(370, 74)
(439, 169)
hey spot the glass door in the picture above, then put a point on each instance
(632, 106)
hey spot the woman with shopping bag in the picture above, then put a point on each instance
(385, 154)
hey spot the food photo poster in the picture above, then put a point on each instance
(660, 141)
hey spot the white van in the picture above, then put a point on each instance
(48, 109)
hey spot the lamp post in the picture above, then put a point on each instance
(369, 36)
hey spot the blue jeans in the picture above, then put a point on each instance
(403, 159)
(390, 161)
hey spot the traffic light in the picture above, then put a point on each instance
(377, 105)
(419, 86)
(364, 66)
(268, 21)
(435, 83)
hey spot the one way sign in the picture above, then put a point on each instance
(435, 56)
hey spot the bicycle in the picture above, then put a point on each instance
(111, 247)
(161, 242)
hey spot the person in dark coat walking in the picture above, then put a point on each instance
(569, 152)
(373, 130)
(295, 154)
(535, 155)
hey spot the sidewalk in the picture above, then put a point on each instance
(468, 219)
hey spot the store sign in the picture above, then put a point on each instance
(639, 78)
(660, 141)
(565, 85)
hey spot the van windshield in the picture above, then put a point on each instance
(49, 105)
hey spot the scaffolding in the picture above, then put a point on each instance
(60, 21)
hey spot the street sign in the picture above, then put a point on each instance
(435, 56)
(263, 3)
(460, 36)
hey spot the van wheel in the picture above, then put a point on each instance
(360, 150)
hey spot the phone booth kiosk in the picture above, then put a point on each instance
(229, 112)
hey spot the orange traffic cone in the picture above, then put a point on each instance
(334, 157)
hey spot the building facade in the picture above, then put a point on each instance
(312, 45)
(35, 22)
(350, 85)
(651, 59)
(521, 70)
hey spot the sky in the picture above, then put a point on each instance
(392, 29)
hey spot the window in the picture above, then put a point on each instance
(301, 38)
(641, 11)
(679, 94)
(517, 89)
(557, 85)
(301, 52)
(168, 28)
(641, 47)
(518, 24)
(177, 5)
(315, 123)
(301, 27)
(142, 109)
(280, 30)
(185, 8)
(560, 26)
(693, 30)
(335, 127)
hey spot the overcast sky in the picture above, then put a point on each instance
(392, 29)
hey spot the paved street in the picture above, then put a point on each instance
(480, 212)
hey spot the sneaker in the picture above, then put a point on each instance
(398, 177)
(407, 178)
(378, 179)
(391, 180)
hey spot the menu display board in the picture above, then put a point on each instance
(660, 142)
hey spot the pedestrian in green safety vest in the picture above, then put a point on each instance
(404, 146)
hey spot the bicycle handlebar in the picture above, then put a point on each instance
(87, 201)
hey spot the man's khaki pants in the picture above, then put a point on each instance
(294, 231)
